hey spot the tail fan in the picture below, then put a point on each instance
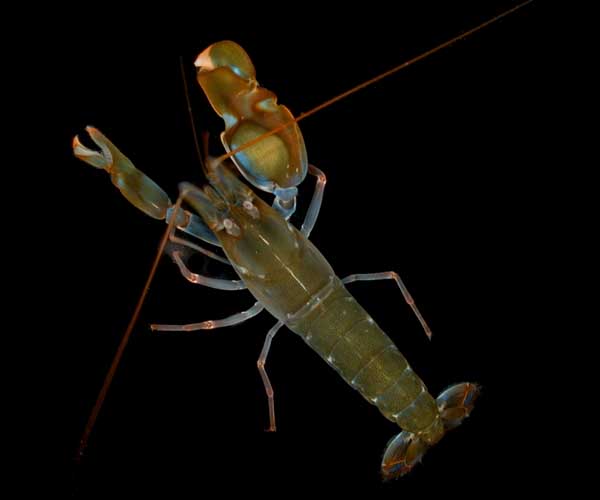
(407, 448)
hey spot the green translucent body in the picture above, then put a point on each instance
(348, 339)
(295, 283)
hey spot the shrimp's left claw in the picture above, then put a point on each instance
(91, 157)
(137, 187)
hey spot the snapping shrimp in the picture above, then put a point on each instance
(275, 261)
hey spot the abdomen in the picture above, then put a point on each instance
(348, 339)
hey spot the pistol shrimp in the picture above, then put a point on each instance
(276, 261)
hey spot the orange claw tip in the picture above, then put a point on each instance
(203, 60)
(79, 150)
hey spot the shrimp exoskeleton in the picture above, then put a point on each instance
(275, 261)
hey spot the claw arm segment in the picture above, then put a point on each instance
(137, 187)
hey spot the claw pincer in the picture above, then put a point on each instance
(276, 164)
(137, 187)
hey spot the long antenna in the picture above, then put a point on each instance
(136, 313)
(125, 339)
(190, 113)
(361, 86)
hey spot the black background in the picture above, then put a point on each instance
(431, 173)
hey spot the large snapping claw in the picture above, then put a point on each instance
(137, 187)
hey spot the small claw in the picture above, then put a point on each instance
(91, 157)
(137, 187)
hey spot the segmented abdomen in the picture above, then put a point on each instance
(348, 339)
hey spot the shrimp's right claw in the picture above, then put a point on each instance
(137, 187)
